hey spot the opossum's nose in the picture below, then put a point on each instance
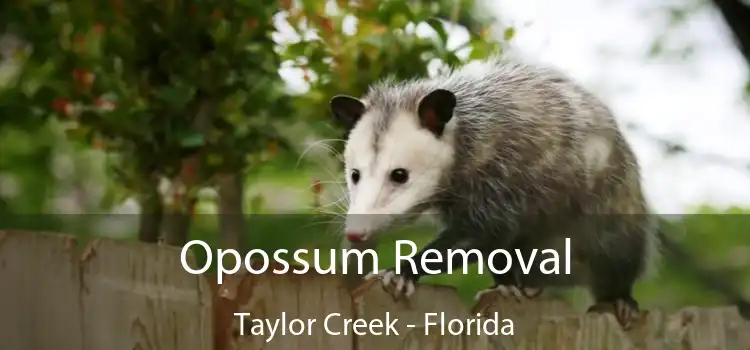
(354, 237)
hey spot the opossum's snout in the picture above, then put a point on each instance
(355, 237)
(362, 227)
(358, 236)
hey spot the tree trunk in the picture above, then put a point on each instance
(177, 223)
(231, 213)
(177, 228)
(152, 210)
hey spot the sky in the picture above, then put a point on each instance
(604, 45)
(696, 100)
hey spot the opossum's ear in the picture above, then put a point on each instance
(347, 110)
(436, 109)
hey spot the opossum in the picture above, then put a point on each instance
(510, 155)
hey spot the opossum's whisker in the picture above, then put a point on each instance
(333, 150)
(319, 223)
(337, 228)
(324, 183)
(334, 214)
(324, 209)
(324, 145)
(336, 203)
(341, 183)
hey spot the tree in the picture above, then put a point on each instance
(189, 91)
(181, 91)
(384, 44)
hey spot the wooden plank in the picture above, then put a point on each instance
(526, 316)
(138, 296)
(716, 328)
(267, 297)
(39, 284)
(687, 329)
(373, 302)
(694, 328)
(418, 339)
(588, 332)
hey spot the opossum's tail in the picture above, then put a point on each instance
(717, 281)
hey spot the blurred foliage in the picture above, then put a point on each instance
(135, 80)
(101, 100)
(343, 57)
(186, 90)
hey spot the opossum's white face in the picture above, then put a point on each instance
(394, 163)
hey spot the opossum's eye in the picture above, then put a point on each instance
(355, 176)
(399, 176)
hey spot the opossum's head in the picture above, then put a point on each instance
(395, 158)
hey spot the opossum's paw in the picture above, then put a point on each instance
(625, 311)
(508, 292)
(485, 298)
(398, 285)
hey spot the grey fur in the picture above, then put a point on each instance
(520, 178)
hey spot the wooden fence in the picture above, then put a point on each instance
(112, 295)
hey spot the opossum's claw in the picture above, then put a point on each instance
(625, 311)
(373, 275)
(531, 293)
(399, 285)
(404, 286)
(510, 291)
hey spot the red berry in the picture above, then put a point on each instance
(86, 78)
(60, 105)
(317, 187)
(327, 25)
(251, 22)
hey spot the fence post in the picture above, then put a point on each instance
(39, 288)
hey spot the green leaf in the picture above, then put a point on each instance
(478, 50)
(510, 32)
(376, 41)
(214, 159)
(439, 27)
(175, 95)
(399, 20)
(192, 140)
(221, 32)
(387, 9)
(296, 49)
